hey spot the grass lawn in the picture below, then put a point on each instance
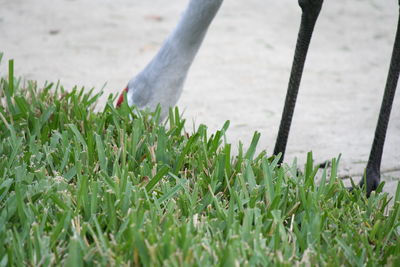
(79, 187)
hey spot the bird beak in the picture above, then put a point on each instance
(121, 97)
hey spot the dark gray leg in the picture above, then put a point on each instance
(372, 177)
(311, 9)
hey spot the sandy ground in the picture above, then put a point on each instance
(241, 72)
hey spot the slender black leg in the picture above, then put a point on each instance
(372, 172)
(310, 9)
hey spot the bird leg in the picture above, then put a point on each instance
(310, 12)
(372, 173)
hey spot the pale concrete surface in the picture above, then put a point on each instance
(241, 72)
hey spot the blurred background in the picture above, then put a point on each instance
(241, 72)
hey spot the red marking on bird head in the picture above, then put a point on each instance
(121, 97)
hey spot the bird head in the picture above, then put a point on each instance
(121, 97)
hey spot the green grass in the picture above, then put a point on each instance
(79, 187)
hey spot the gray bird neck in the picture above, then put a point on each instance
(181, 46)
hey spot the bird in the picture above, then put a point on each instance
(161, 81)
